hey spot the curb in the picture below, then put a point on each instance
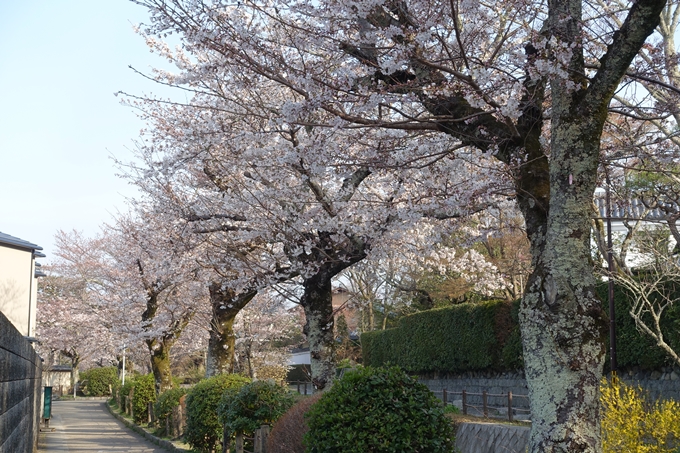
(168, 445)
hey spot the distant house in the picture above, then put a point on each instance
(18, 282)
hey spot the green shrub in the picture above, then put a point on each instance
(486, 336)
(100, 381)
(462, 337)
(167, 401)
(203, 430)
(379, 410)
(255, 404)
(145, 393)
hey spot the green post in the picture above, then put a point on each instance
(47, 406)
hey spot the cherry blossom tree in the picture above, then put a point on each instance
(531, 88)
(158, 279)
(275, 212)
(266, 329)
(73, 319)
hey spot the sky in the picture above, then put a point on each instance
(61, 61)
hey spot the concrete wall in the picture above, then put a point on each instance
(59, 380)
(490, 438)
(20, 391)
(18, 288)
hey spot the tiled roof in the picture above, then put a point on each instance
(16, 242)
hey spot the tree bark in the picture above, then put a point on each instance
(226, 304)
(159, 347)
(160, 364)
(317, 302)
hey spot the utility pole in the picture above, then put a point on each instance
(610, 266)
(123, 377)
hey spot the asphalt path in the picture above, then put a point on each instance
(86, 426)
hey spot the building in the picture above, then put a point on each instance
(18, 282)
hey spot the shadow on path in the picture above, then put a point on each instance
(86, 426)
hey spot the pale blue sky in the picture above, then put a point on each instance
(60, 63)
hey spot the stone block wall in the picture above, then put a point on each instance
(20, 391)
(660, 384)
(477, 382)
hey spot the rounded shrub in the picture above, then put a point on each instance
(288, 432)
(144, 393)
(166, 402)
(378, 410)
(203, 430)
(100, 381)
(255, 404)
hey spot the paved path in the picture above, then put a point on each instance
(86, 426)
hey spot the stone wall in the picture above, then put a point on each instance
(660, 384)
(20, 391)
(474, 383)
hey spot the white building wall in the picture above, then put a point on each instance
(18, 288)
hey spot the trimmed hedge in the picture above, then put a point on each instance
(378, 410)
(99, 380)
(471, 336)
(253, 405)
(145, 393)
(203, 430)
(485, 337)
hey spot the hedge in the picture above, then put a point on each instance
(100, 381)
(485, 337)
(471, 336)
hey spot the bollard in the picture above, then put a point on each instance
(510, 406)
(445, 397)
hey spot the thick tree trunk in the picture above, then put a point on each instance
(563, 325)
(317, 302)
(226, 304)
(160, 364)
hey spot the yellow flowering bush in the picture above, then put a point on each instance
(632, 425)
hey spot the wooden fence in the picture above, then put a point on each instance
(245, 444)
(173, 425)
(485, 407)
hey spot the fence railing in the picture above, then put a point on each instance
(485, 407)
(302, 387)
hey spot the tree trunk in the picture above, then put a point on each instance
(317, 302)
(226, 304)
(562, 323)
(160, 364)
